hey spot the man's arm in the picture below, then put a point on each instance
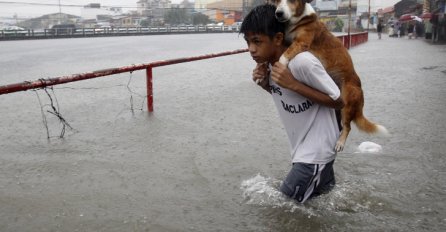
(284, 78)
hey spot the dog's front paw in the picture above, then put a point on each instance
(283, 60)
(339, 146)
(258, 81)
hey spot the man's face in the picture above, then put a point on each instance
(261, 47)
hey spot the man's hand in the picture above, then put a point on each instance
(260, 72)
(260, 75)
(282, 76)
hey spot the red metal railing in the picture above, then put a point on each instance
(354, 39)
(41, 83)
(348, 42)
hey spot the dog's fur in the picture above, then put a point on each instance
(306, 33)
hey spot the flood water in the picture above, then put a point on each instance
(213, 153)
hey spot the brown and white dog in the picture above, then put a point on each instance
(306, 33)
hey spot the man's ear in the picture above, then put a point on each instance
(278, 39)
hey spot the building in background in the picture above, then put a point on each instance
(437, 17)
(412, 7)
(93, 15)
(327, 7)
(200, 5)
(92, 10)
(49, 20)
(334, 13)
(348, 9)
(387, 17)
(189, 7)
(153, 10)
(225, 11)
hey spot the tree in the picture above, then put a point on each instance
(200, 18)
(145, 23)
(176, 16)
(339, 24)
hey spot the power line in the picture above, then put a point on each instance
(38, 4)
(56, 4)
(116, 6)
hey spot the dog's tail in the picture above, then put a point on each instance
(369, 127)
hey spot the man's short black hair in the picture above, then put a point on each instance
(262, 20)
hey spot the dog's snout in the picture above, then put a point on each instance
(279, 14)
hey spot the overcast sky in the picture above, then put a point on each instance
(36, 8)
(376, 4)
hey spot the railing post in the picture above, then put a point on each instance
(149, 89)
(349, 41)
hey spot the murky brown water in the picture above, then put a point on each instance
(212, 154)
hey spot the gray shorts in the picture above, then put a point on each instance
(308, 180)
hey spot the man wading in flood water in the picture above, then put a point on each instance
(306, 98)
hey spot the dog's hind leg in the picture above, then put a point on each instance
(354, 101)
(346, 127)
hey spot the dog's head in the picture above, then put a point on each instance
(289, 9)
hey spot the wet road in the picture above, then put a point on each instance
(210, 156)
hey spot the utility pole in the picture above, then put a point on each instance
(60, 14)
(426, 6)
(245, 9)
(368, 18)
(349, 22)
(16, 19)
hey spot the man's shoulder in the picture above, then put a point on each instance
(303, 59)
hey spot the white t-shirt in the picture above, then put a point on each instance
(312, 128)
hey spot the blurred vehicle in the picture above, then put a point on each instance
(13, 28)
(63, 29)
(13, 31)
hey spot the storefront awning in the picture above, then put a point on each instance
(426, 15)
(406, 17)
